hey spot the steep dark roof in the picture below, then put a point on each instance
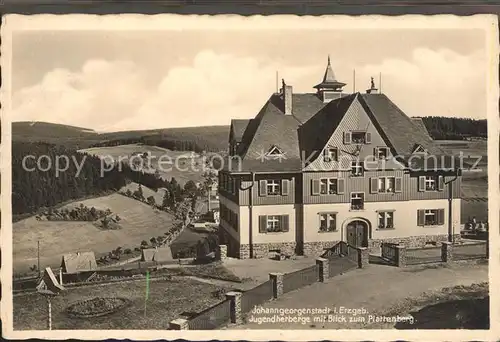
(312, 123)
(395, 126)
(304, 106)
(419, 123)
(238, 127)
(314, 134)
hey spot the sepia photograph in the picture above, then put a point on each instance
(174, 173)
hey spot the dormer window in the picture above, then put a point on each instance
(357, 137)
(330, 154)
(275, 152)
(419, 149)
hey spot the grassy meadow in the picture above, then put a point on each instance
(138, 222)
(181, 165)
(167, 300)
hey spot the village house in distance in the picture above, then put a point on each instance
(318, 168)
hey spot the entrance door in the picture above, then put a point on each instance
(357, 234)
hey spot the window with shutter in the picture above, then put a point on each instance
(340, 186)
(420, 217)
(373, 185)
(368, 138)
(284, 223)
(440, 217)
(263, 187)
(284, 187)
(398, 185)
(421, 183)
(440, 183)
(347, 138)
(315, 187)
(262, 224)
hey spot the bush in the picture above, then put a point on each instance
(127, 251)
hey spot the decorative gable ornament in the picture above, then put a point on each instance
(419, 149)
(275, 151)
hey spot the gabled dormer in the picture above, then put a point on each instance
(275, 152)
(419, 149)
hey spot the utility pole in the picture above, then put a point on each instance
(38, 257)
(451, 235)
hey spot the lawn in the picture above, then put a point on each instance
(167, 300)
(138, 222)
(183, 166)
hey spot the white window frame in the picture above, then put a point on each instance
(430, 212)
(327, 184)
(273, 187)
(273, 224)
(383, 184)
(328, 217)
(332, 154)
(358, 142)
(358, 196)
(430, 180)
(385, 216)
(356, 166)
(379, 149)
(323, 185)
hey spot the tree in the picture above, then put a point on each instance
(209, 180)
(153, 241)
(139, 193)
(151, 200)
(183, 212)
(167, 200)
(144, 244)
(190, 187)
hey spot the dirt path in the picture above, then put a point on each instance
(372, 290)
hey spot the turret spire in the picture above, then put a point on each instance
(329, 88)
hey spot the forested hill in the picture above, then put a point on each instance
(443, 128)
(207, 138)
(34, 187)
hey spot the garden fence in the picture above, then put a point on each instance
(256, 296)
(295, 280)
(469, 251)
(426, 255)
(211, 318)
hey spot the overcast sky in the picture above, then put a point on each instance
(119, 80)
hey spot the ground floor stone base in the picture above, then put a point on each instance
(316, 249)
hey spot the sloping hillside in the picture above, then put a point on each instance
(139, 221)
(209, 138)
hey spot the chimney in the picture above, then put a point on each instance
(286, 93)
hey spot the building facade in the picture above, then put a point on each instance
(314, 169)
